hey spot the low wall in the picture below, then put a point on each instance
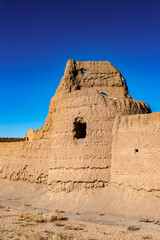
(136, 152)
(2, 139)
(25, 160)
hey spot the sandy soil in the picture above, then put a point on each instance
(94, 224)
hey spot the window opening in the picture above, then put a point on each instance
(79, 129)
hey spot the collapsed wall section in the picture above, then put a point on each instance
(136, 152)
(25, 161)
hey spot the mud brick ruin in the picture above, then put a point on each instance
(95, 134)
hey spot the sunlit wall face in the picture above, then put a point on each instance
(37, 37)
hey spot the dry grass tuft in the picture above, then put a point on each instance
(41, 218)
(147, 237)
(32, 236)
(146, 220)
(157, 222)
(75, 228)
(133, 228)
(62, 236)
(30, 217)
(26, 205)
(61, 211)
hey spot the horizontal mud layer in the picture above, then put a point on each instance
(75, 186)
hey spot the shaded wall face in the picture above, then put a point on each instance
(81, 141)
(25, 161)
(136, 152)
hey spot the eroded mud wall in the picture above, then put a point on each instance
(136, 152)
(92, 100)
(73, 150)
(25, 161)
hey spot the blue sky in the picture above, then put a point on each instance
(37, 37)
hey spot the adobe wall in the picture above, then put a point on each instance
(81, 162)
(73, 150)
(136, 152)
(25, 161)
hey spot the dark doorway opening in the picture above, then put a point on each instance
(79, 129)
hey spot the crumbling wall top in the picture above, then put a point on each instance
(90, 74)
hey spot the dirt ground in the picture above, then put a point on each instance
(24, 205)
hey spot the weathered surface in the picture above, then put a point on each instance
(99, 77)
(25, 161)
(77, 135)
(92, 100)
(30, 135)
(136, 152)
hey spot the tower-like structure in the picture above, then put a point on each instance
(73, 150)
(79, 124)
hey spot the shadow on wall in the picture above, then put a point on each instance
(79, 128)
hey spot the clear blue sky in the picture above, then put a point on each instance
(37, 37)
